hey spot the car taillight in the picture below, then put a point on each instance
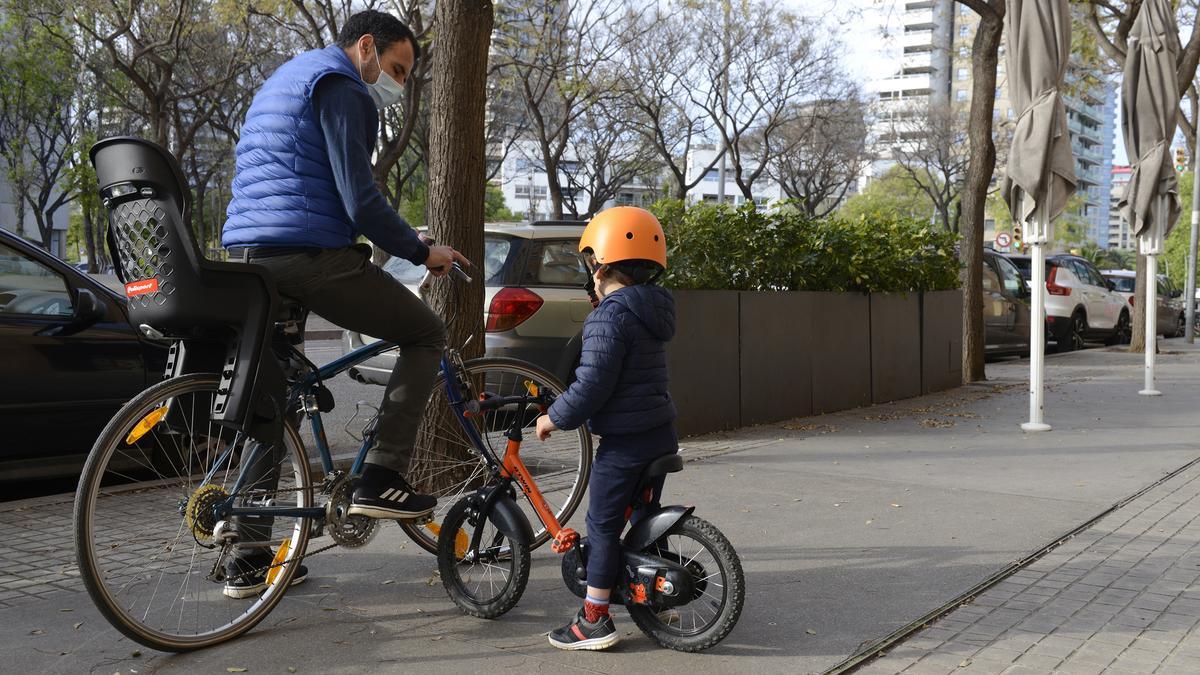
(1053, 288)
(510, 308)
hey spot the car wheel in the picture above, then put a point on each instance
(1072, 339)
(1122, 332)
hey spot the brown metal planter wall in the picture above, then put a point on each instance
(895, 346)
(777, 345)
(703, 361)
(941, 341)
(752, 358)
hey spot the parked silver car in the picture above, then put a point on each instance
(1170, 300)
(534, 300)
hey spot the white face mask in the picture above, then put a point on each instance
(385, 90)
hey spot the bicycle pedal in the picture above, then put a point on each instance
(423, 520)
(565, 540)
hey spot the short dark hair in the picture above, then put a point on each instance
(385, 28)
(635, 272)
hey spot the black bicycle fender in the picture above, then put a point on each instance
(649, 529)
(510, 520)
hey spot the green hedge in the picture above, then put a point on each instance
(714, 247)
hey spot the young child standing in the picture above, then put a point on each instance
(620, 391)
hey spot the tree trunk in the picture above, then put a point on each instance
(1137, 342)
(457, 165)
(974, 196)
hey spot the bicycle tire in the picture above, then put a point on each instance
(425, 535)
(451, 562)
(92, 483)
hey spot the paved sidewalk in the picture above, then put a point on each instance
(1118, 598)
(850, 526)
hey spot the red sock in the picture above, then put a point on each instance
(593, 612)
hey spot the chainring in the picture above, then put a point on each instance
(200, 511)
(346, 530)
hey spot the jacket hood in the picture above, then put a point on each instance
(653, 305)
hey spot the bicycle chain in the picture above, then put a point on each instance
(267, 568)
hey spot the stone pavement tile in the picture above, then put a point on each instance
(1015, 642)
(1024, 605)
(1134, 618)
(1116, 635)
(1140, 658)
(988, 601)
(1061, 606)
(1077, 667)
(996, 656)
(1040, 589)
(938, 633)
(1098, 653)
(1080, 592)
(1180, 664)
(934, 662)
(991, 631)
(1041, 663)
(1175, 620)
(1151, 601)
(1003, 617)
(1057, 646)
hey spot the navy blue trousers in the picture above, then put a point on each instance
(615, 472)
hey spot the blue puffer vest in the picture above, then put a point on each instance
(283, 192)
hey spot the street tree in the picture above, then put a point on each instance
(769, 61)
(556, 56)
(662, 79)
(980, 168)
(828, 141)
(890, 197)
(609, 155)
(38, 125)
(930, 145)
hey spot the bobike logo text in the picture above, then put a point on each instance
(141, 287)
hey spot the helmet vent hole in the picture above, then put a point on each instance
(629, 235)
(656, 237)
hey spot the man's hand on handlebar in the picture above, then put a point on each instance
(441, 258)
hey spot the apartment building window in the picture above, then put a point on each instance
(964, 52)
(1011, 113)
(964, 31)
(712, 175)
(962, 74)
(960, 95)
(525, 191)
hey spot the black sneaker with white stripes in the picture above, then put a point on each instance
(394, 499)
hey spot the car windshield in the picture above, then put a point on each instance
(1023, 264)
(495, 252)
(1122, 284)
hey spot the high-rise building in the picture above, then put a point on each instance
(1119, 235)
(915, 57)
(933, 66)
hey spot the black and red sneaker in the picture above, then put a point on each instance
(582, 634)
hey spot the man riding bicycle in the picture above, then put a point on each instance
(302, 195)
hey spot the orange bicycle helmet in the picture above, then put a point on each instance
(625, 233)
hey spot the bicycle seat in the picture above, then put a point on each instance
(662, 466)
(174, 291)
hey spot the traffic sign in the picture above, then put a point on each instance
(1003, 240)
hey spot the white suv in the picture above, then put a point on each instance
(1081, 305)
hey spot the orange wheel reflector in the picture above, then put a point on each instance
(143, 427)
(280, 556)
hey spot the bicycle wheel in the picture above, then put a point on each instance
(146, 537)
(717, 596)
(446, 465)
(485, 582)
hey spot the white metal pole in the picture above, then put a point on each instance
(1037, 326)
(1151, 301)
(1189, 292)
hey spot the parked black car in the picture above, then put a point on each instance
(1005, 306)
(69, 358)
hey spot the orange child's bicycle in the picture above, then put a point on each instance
(681, 579)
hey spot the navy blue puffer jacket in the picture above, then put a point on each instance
(620, 386)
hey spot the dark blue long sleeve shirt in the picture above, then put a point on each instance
(348, 121)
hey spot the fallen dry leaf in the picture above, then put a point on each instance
(78, 624)
(810, 631)
(235, 669)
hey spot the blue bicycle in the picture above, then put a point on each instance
(168, 498)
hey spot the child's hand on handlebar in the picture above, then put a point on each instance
(441, 257)
(544, 426)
